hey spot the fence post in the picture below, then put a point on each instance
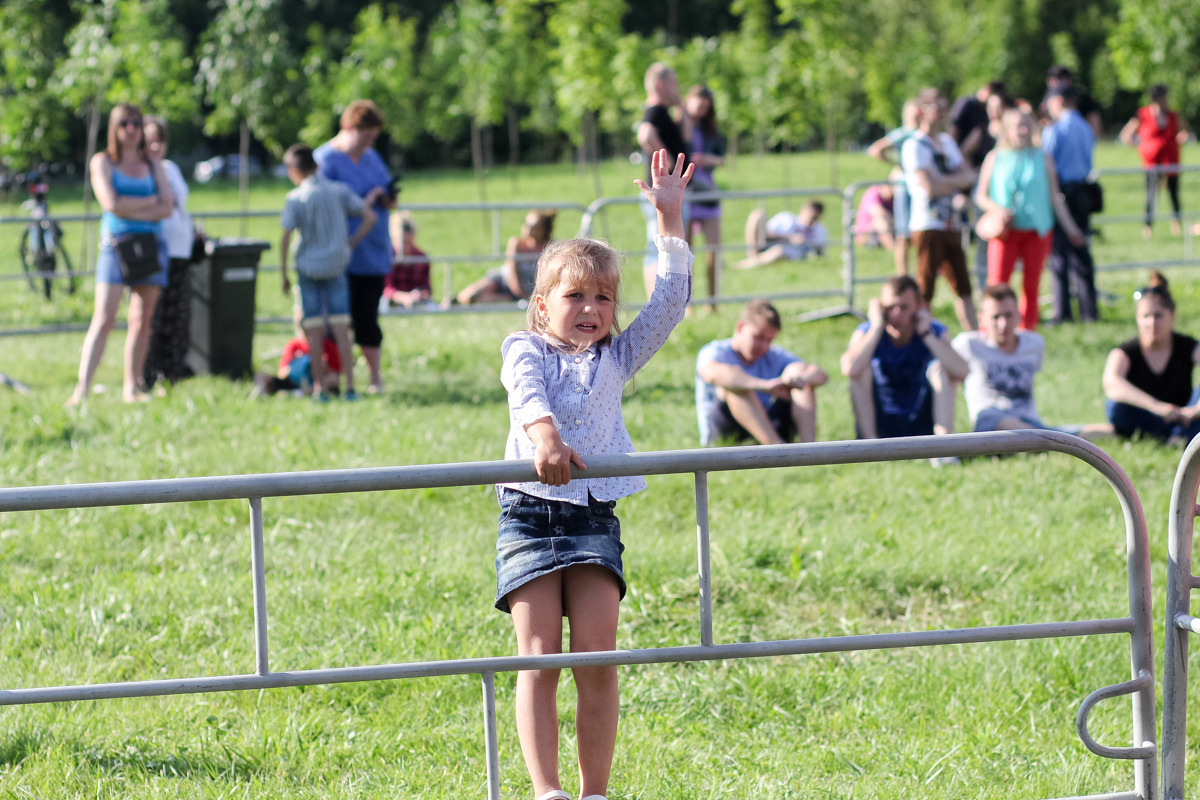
(703, 560)
(489, 735)
(258, 568)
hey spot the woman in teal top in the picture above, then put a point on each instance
(1018, 181)
(134, 192)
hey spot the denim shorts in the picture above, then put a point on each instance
(989, 418)
(537, 537)
(322, 298)
(109, 271)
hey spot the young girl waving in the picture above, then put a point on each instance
(559, 544)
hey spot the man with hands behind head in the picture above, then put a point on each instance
(901, 367)
(747, 387)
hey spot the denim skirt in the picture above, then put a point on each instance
(537, 537)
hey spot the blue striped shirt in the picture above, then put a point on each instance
(581, 392)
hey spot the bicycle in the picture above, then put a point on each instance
(41, 242)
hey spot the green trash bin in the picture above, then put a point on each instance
(222, 324)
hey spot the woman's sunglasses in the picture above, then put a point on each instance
(130, 123)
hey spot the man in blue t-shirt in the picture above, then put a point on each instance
(902, 368)
(749, 388)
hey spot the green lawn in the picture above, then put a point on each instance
(139, 593)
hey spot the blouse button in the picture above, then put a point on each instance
(578, 422)
(578, 389)
(578, 359)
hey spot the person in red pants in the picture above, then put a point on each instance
(1018, 183)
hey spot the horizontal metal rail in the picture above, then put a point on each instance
(699, 462)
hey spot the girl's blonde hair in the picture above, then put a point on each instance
(574, 261)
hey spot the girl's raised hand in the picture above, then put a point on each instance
(666, 193)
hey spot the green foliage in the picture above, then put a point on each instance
(33, 124)
(584, 50)
(1159, 43)
(379, 65)
(250, 75)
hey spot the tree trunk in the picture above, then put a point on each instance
(831, 137)
(514, 144)
(477, 164)
(88, 245)
(592, 145)
(244, 178)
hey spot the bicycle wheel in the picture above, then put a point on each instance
(44, 258)
(68, 272)
(27, 251)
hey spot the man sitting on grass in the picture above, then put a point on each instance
(747, 387)
(902, 369)
(785, 235)
(1002, 361)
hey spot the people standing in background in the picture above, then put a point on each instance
(136, 196)
(936, 173)
(658, 130)
(969, 123)
(888, 150)
(1059, 77)
(1018, 180)
(1069, 141)
(350, 157)
(1158, 132)
(166, 355)
(708, 152)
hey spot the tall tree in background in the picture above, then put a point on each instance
(33, 123)
(483, 79)
(754, 50)
(584, 48)
(526, 85)
(1159, 43)
(379, 64)
(251, 79)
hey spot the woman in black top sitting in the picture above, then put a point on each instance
(1148, 379)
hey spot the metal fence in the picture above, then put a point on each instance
(852, 273)
(1179, 620)
(1137, 625)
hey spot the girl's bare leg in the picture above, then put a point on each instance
(592, 604)
(537, 617)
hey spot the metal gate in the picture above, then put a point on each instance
(1136, 626)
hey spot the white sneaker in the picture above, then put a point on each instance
(945, 461)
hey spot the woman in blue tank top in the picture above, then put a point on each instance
(136, 196)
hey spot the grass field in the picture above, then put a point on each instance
(138, 593)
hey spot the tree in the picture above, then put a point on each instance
(380, 65)
(251, 80)
(582, 32)
(33, 122)
(1159, 43)
(526, 67)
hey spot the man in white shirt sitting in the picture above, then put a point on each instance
(785, 235)
(1002, 361)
